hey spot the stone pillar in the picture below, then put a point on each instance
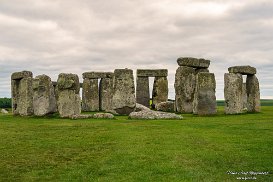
(204, 98)
(233, 93)
(44, 101)
(160, 90)
(106, 94)
(90, 95)
(142, 91)
(253, 93)
(184, 89)
(22, 93)
(124, 101)
(244, 96)
(69, 101)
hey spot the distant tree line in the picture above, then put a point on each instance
(5, 102)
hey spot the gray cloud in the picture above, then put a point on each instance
(49, 37)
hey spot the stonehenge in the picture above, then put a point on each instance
(115, 92)
(194, 87)
(160, 86)
(240, 95)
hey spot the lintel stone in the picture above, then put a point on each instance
(20, 75)
(244, 70)
(193, 62)
(152, 72)
(97, 75)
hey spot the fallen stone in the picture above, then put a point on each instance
(165, 106)
(185, 83)
(81, 116)
(193, 62)
(149, 114)
(160, 90)
(90, 95)
(204, 98)
(140, 107)
(244, 70)
(44, 100)
(97, 75)
(4, 111)
(253, 94)
(124, 101)
(233, 93)
(104, 116)
(152, 72)
(142, 91)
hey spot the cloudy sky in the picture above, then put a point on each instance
(54, 36)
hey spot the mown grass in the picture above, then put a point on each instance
(193, 149)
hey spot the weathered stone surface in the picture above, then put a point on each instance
(149, 114)
(244, 70)
(94, 116)
(201, 70)
(204, 98)
(160, 90)
(20, 75)
(193, 62)
(124, 101)
(244, 97)
(97, 75)
(152, 73)
(165, 106)
(69, 101)
(106, 94)
(253, 94)
(185, 81)
(140, 107)
(4, 111)
(142, 91)
(233, 93)
(22, 92)
(90, 95)
(44, 101)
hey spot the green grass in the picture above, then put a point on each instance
(264, 102)
(193, 149)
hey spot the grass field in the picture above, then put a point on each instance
(193, 149)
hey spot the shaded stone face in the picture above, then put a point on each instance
(152, 73)
(204, 98)
(90, 95)
(106, 94)
(124, 101)
(22, 93)
(97, 75)
(244, 96)
(185, 82)
(244, 70)
(44, 101)
(160, 90)
(233, 93)
(253, 94)
(142, 91)
(165, 106)
(69, 101)
(193, 62)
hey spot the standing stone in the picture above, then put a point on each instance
(69, 101)
(142, 91)
(253, 93)
(44, 101)
(90, 95)
(22, 93)
(204, 98)
(184, 85)
(106, 94)
(233, 93)
(124, 101)
(160, 90)
(244, 96)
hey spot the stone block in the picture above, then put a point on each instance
(165, 106)
(90, 95)
(244, 70)
(193, 62)
(160, 90)
(20, 75)
(97, 75)
(253, 94)
(152, 72)
(106, 94)
(142, 91)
